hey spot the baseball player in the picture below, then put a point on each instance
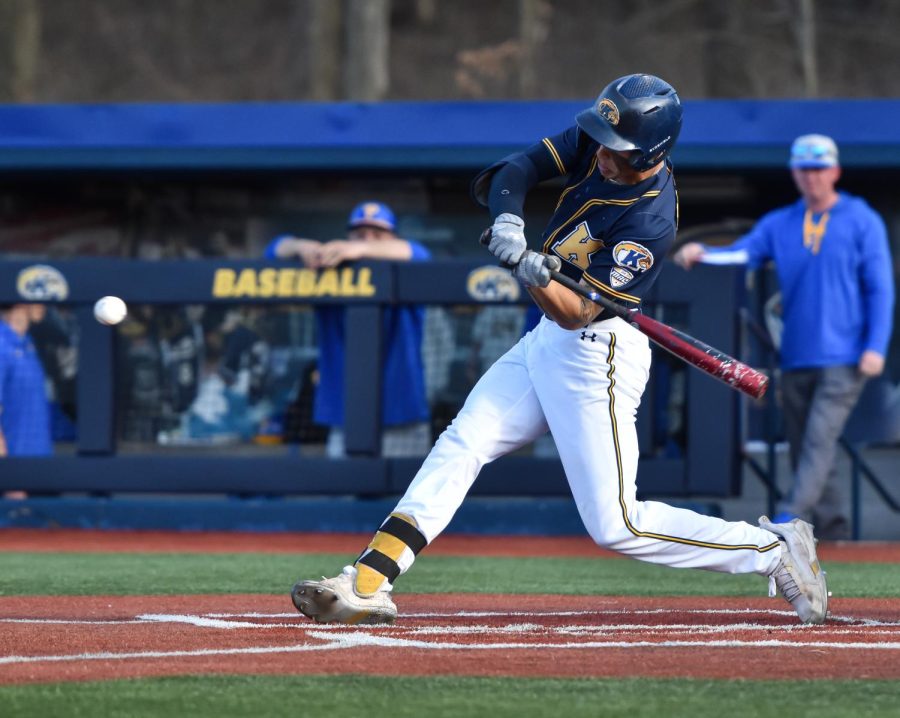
(579, 373)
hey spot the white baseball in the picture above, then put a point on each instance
(110, 310)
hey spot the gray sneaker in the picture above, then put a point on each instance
(798, 575)
(333, 600)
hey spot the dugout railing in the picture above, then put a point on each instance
(704, 303)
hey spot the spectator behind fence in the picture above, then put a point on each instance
(371, 236)
(831, 254)
(24, 409)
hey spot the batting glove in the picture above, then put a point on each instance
(508, 238)
(533, 269)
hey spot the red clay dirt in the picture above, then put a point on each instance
(54, 638)
(79, 540)
(46, 639)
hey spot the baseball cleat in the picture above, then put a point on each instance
(334, 600)
(798, 576)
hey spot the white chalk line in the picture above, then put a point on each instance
(641, 628)
(472, 629)
(337, 636)
(143, 655)
(73, 622)
(361, 639)
(226, 621)
(856, 620)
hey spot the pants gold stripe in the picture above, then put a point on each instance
(648, 534)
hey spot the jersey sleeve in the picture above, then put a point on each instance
(877, 282)
(551, 157)
(558, 155)
(753, 249)
(420, 252)
(4, 370)
(630, 260)
(271, 248)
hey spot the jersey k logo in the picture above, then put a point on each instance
(585, 336)
(632, 255)
(578, 246)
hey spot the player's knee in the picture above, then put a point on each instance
(610, 534)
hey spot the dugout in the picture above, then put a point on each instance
(149, 201)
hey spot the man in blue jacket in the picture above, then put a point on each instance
(831, 254)
(371, 235)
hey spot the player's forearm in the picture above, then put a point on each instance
(293, 246)
(724, 256)
(510, 185)
(388, 249)
(567, 309)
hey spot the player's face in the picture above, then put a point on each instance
(614, 165)
(370, 234)
(816, 184)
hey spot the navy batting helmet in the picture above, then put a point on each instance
(635, 112)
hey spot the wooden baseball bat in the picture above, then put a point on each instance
(707, 359)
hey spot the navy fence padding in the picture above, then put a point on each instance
(708, 464)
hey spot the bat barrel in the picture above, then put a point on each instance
(706, 358)
(742, 377)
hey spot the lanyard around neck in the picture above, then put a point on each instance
(813, 232)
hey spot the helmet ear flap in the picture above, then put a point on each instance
(641, 162)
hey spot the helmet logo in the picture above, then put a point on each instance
(608, 111)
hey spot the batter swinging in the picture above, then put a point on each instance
(578, 374)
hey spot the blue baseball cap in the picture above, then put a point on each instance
(814, 151)
(372, 214)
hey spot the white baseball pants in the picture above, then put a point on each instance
(586, 390)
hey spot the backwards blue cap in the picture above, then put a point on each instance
(372, 214)
(814, 151)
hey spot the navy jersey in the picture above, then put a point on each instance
(614, 236)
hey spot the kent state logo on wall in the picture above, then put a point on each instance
(492, 284)
(293, 282)
(41, 282)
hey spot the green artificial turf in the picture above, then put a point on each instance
(23, 574)
(398, 697)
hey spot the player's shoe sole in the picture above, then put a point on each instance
(333, 600)
(799, 576)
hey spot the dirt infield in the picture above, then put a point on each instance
(78, 540)
(45, 639)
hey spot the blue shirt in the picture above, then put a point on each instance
(403, 388)
(24, 410)
(836, 282)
